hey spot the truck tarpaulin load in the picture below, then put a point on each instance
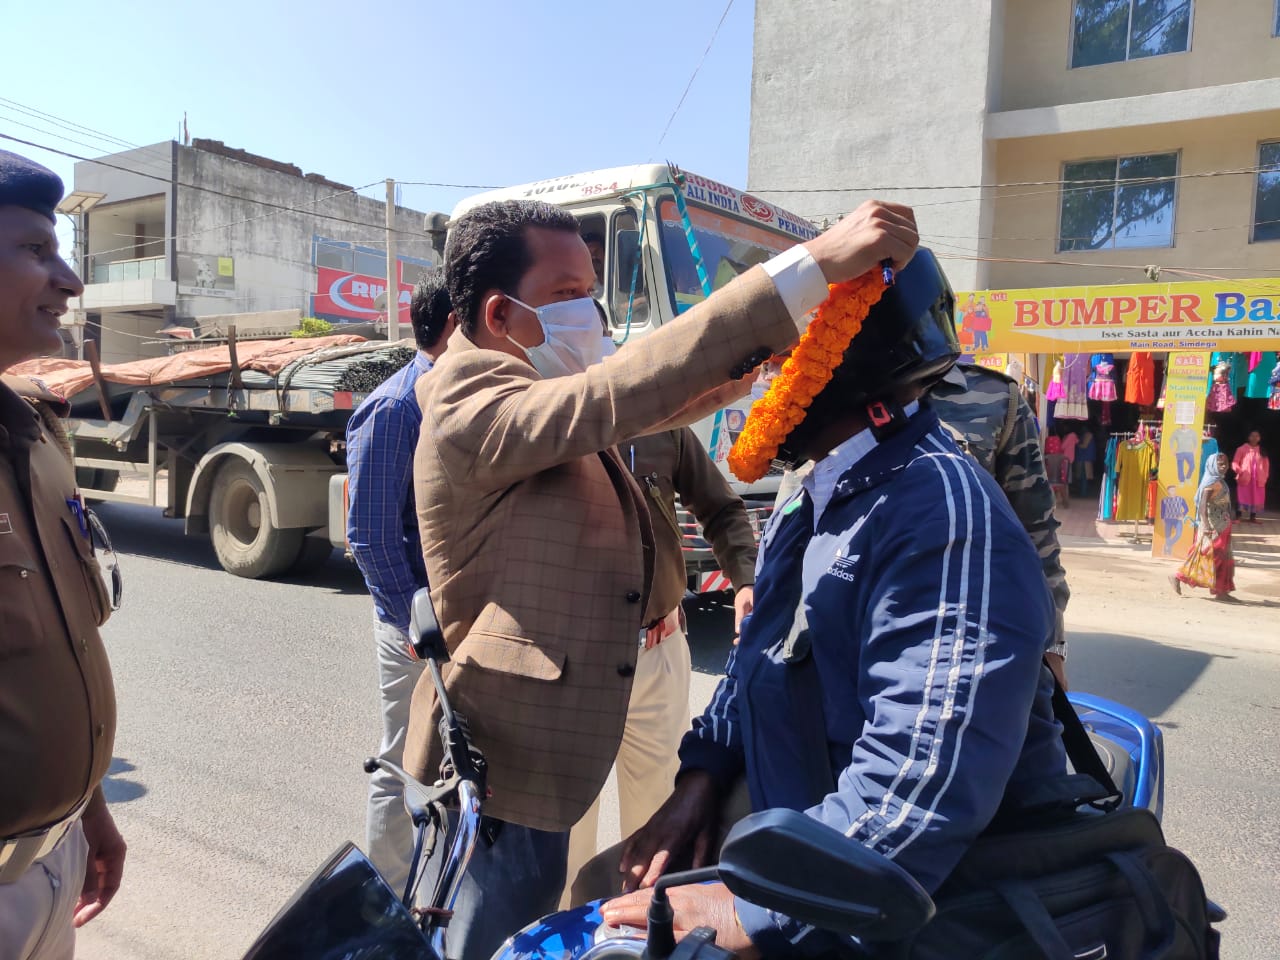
(250, 436)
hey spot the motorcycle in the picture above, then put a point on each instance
(778, 859)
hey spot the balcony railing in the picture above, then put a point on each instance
(147, 268)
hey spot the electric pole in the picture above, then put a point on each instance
(393, 282)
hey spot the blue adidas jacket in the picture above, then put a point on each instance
(889, 681)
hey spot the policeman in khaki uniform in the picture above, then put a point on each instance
(61, 856)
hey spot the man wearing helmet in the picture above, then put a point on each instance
(884, 684)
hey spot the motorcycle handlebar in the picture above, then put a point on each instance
(418, 797)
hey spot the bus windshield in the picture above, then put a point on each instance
(729, 247)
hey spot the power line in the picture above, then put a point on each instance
(282, 208)
(67, 124)
(1185, 271)
(237, 223)
(159, 161)
(61, 136)
(451, 186)
(1173, 234)
(688, 86)
(1082, 184)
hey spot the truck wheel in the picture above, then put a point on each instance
(245, 538)
(312, 555)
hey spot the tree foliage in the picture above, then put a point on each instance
(313, 327)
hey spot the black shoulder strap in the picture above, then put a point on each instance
(1080, 749)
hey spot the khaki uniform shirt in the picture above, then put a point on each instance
(675, 464)
(57, 705)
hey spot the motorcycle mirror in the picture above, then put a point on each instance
(424, 629)
(786, 861)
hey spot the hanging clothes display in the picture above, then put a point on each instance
(1075, 379)
(1258, 384)
(1223, 356)
(1222, 390)
(1135, 460)
(1107, 498)
(1274, 402)
(1102, 383)
(1140, 381)
(1056, 390)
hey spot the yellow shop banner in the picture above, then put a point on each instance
(1159, 317)
(1179, 467)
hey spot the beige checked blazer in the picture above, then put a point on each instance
(538, 545)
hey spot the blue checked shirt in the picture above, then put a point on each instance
(382, 523)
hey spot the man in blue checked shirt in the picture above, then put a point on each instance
(889, 681)
(382, 529)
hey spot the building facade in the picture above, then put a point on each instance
(192, 239)
(1045, 143)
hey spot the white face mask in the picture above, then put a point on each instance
(571, 332)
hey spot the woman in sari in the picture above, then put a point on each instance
(1210, 563)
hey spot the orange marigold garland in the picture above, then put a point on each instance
(809, 368)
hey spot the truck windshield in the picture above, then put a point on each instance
(729, 247)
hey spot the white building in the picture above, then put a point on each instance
(189, 233)
(889, 99)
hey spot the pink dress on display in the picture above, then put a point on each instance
(1056, 390)
(1221, 396)
(1104, 384)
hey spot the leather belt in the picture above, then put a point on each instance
(17, 854)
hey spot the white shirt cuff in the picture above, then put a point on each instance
(799, 282)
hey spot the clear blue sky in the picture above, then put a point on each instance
(485, 91)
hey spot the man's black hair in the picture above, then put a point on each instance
(591, 236)
(429, 309)
(487, 251)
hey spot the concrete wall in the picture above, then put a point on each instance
(877, 94)
(272, 248)
(124, 336)
(1231, 41)
(1212, 215)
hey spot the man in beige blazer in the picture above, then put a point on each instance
(537, 539)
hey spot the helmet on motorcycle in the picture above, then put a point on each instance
(907, 339)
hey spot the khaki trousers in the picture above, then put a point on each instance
(657, 719)
(36, 909)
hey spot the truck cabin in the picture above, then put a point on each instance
(648, 271)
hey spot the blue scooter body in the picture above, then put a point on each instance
(1131, 746)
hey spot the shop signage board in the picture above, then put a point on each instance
(1241, 315)
(1179, 467)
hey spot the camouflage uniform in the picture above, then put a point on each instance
(989, 419)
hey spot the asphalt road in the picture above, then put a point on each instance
(246, 708)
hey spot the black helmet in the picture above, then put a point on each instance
(909, 337)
